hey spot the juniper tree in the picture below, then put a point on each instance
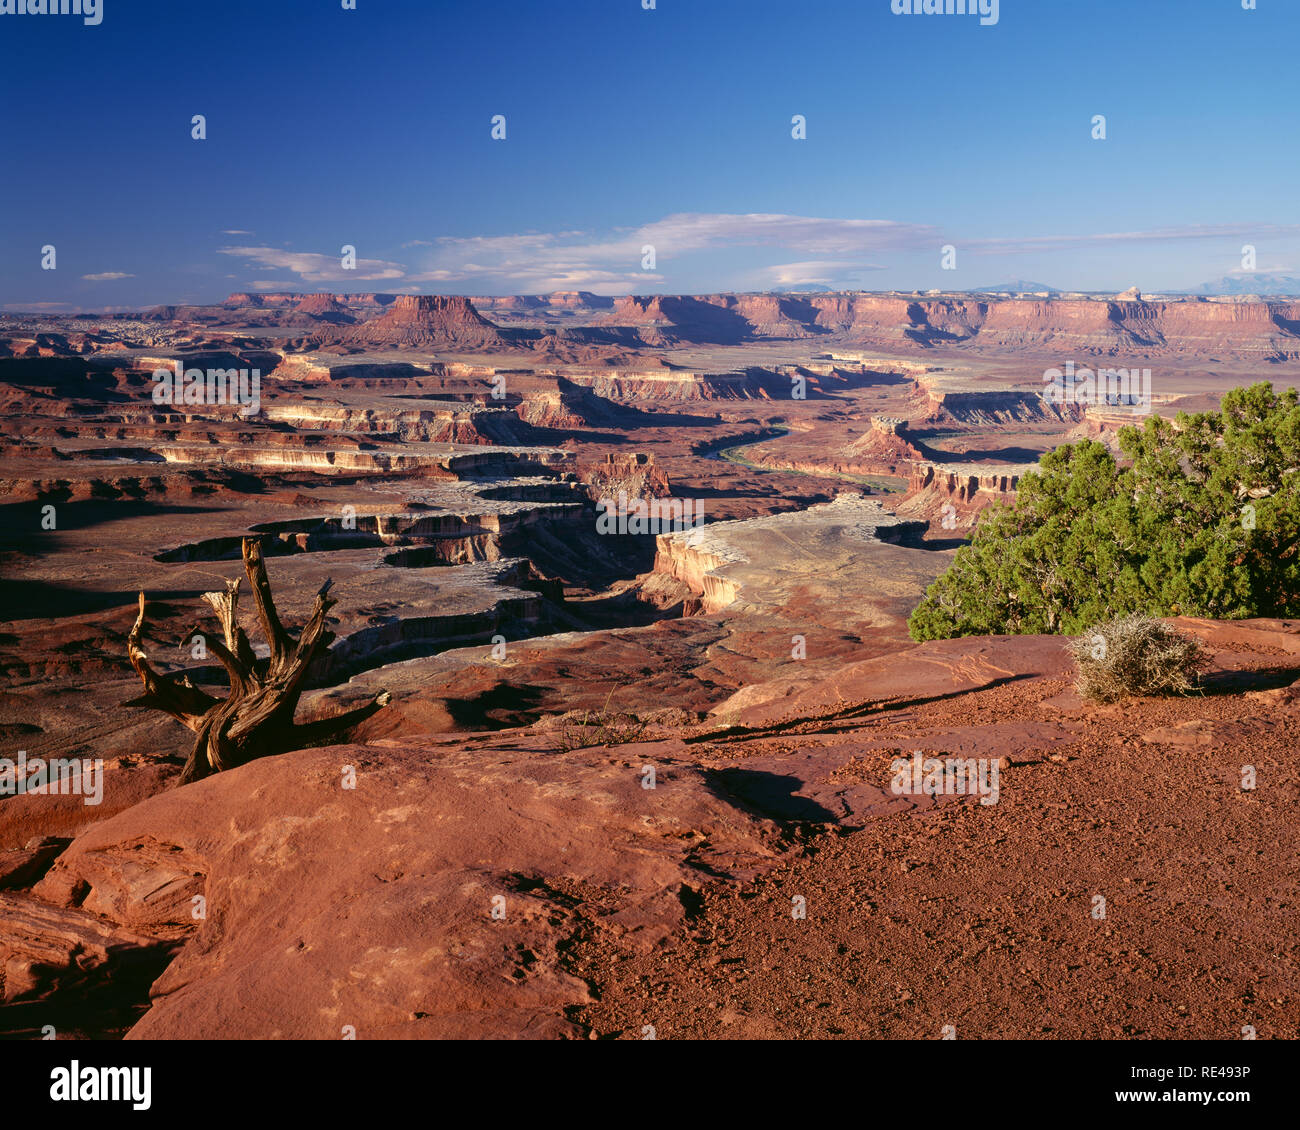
(1200, 517)
(256, 717)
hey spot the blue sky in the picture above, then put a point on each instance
(627, 127)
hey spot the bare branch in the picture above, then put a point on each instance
(240, 678)
(280, 640)
(323, 729)
(186, 703)
(226, 606)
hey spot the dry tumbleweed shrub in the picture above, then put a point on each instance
(1135, 655)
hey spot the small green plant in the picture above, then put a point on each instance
(580, 729)
(1135, 655)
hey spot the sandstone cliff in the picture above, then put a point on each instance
(1247, 329)
(433, 321)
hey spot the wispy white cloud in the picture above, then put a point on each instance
(314, 268)
(687, 232)
(611, 263)
(730, 250)
(1263, 271)
(826, 272)
(107, 276)
(1180, 234)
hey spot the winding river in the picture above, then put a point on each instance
(876, 484)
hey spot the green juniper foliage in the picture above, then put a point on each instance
(1201, 517)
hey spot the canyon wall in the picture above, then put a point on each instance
(1242, 328)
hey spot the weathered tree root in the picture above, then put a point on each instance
(256, 718)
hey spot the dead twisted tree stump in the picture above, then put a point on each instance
(256, 718)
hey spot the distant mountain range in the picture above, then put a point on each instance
(1258, 282)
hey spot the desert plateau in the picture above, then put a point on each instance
(447, 474)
